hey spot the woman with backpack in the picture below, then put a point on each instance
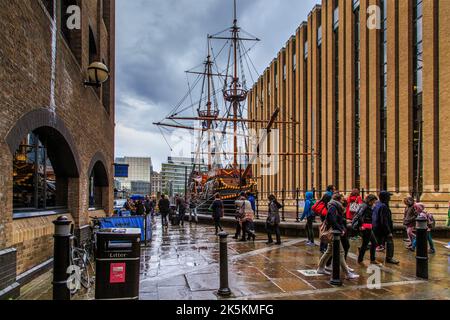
(353, 203)
(363, 222)
(409, 219)
(310, 218)
(420, 209)
(320, 209)
(273, 220)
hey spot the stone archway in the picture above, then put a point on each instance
(99, 183)
(50, 125)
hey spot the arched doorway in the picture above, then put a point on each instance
(45, 164)
(98, 183)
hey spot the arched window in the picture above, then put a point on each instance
(98, 184)
(36, 185)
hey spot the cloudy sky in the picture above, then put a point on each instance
(157, 40)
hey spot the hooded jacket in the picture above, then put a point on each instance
(335, 216)
(410, 215)
(350, 200)
(382, 216)
(307, 212)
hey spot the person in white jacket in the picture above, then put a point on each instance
(245, 216)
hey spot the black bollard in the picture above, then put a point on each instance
(336, 274)
(224, 290)
(422, 248)
(61, 259)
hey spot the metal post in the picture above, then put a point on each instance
(297, 194)
(362, 193)
(224, 290)
(61, 259)
(283, 195)
(422, 248)
(336, 274)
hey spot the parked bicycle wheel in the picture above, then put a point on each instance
(79, 259)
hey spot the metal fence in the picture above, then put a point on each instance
(290, 199)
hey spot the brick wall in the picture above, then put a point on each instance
(81, 117)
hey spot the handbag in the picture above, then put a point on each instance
(326, 233)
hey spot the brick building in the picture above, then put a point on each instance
(56, 135)
(371, 104)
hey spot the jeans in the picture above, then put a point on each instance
(323, 245)
(389, 248)
(181, 214)
(217, 225)
(193, 212)
(328, 256)
(274, 229)
(345, 246)
(410, 233)
(310, 229)
(164, 219)
(368, 236)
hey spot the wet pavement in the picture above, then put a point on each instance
(182, 264)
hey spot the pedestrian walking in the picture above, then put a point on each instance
(421, 212)
(147, 205)
(181, 208)
(409, 219)
(246, 217)
(336, 222)
(193, 203)
(273, 220)
(353, 203)
(217, 210)
(164, 209)
(320, 209)
(310, 217)
(383, 226)
(140, 209)
(363, 221)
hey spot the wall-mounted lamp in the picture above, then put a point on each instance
(98, 73)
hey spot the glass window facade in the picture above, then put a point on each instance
(35, 184)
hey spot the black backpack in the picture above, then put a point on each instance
(358, 218)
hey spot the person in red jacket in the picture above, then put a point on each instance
(353, 203)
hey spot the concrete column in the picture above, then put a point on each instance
(405, 96)
(349, 98)
(444, 95)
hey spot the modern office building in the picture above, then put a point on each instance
(175, 174)
(139, 175)
(56, 134)
(366, 83)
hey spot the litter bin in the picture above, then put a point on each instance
(118, 264)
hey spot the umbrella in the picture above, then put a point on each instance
(137, 197)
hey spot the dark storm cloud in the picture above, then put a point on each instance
(157, 40)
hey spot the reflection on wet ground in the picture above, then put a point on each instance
(182, 264)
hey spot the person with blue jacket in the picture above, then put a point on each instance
(310, 217)
(383, 225)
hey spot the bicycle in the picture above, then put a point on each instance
(81, 266)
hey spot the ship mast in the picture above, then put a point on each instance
(235, 33)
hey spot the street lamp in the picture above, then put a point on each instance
(98, 73)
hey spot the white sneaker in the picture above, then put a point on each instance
(351, 276)
(351, 270)
(323, 271)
